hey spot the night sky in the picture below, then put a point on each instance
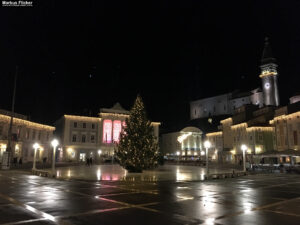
(75, 58)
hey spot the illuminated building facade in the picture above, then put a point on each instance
(83, 137)
(24, 134)
(287, 127)
(249, 126)
(183, 145)
(226, 104)
(216, 149)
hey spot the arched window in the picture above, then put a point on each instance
(74, 138)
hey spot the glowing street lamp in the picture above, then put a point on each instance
(207, 145)
(244, 148)
(54, 144)
(35, 146)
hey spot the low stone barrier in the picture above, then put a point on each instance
(42, 173)
(225, 175)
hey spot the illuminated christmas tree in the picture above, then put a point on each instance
(138, 148)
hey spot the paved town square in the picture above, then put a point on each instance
(252, 199)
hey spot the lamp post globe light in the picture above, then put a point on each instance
(35, 146)
(54, 144)
(207, 145)
(244, 148)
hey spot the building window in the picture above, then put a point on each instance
(27, 134)
(107, 128)
(93, 126)
(75, 124)
(1, 129)
(83, 138)
(47, 136)
(39, 135)
(18, 132)
(224, 107)
(295, 138)
(117, 127)
(74, 138)
(260, 137)
(92, 138)
(84, 125)
(33, 134)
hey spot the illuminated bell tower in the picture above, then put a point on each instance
(269, 76)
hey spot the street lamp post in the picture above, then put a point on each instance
(177, 153)
(244, 148)
(35, 146)
(99, 153)
(54, 144)
(207, 146)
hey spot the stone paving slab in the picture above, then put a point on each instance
(27, 199)
(13, 213)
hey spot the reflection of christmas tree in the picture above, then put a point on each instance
(138, 148)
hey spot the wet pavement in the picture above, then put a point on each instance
(115, 172)
(253, 199)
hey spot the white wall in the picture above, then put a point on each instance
(214, 106)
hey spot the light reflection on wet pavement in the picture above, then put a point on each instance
(115, 173)
(253, 199)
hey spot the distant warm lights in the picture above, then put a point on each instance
(249, 129)
(18, 121)
(228, 120)
(54, 143)
(284, 117)
(36, 146)
(244, 147)
(202, 153)
(219, 133)
(266, 73)
(83, 118)
(233, 152)
(177, 153)
(241, 125)
(207, 144)
(182, 137)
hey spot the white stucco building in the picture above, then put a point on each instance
(24, 134)
(224, 104)
(184, 145)
(96, 137)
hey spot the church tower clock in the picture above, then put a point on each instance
(269, 76)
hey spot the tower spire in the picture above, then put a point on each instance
(267, 56)
(269, 76)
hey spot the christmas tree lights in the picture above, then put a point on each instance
(138, 147)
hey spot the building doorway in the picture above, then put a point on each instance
(82, 157)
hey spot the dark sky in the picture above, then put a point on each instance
(74, 57)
